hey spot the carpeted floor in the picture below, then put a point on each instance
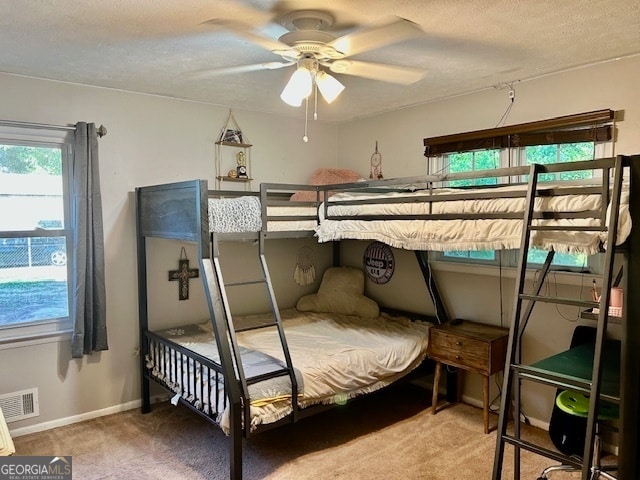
(388, 435)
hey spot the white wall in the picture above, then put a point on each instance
(400, 137)
(154, 140)
(150, 140)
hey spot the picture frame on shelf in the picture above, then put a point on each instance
(232, 136)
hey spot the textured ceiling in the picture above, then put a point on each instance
(163, 47)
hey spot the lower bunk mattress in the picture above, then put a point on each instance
(335, 357)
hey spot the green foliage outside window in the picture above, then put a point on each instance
(28, 159)
(472, 161)
(543, 154)
(472, 254)
(469, 162)
(575, 260)
(568, 152)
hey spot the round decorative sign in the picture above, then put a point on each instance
(378, 262)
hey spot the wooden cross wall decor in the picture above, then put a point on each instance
(183, 274)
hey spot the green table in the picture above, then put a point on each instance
(576, 365)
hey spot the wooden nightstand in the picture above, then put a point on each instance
(469, 346)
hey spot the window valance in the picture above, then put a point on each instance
(596, 126)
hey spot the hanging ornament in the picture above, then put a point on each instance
(376, 165)
(305, 271)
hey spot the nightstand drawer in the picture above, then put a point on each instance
(459, 351)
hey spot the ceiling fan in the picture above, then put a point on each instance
(316, 51)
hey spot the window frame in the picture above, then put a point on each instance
(62, 138)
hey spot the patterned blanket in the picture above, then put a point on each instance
(232, 215)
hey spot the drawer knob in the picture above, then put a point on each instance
(457, 357)
(458, 343)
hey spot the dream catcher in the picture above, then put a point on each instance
(305, 271)
(376, 165)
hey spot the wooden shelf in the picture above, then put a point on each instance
(589, 315)
(234, 144)
(233, 151)
(233, 179)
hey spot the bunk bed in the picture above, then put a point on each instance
(419, 214)
(423, 216)
(576, 217)
(253, 373)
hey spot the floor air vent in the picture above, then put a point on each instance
(20, 405)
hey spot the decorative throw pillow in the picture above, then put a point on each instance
(326, 176)
(341, 291)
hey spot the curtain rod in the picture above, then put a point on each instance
(101, 130)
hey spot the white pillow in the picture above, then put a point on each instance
(341, 291)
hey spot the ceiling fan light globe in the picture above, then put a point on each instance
(329, 86)
(298, 88)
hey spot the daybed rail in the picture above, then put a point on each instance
(170, 364)
(281, 212)
(432, 186)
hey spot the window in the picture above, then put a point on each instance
(469, 162)
(562, 139)
(34, 232)
(568, 152)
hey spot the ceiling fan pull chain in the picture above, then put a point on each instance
(315, 100)
(305, 138)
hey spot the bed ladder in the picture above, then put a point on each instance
(515, 371)
(279, 370)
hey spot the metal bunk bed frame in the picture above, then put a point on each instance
(189, 223)
(630, 358)
(515, 371)
(187, 220)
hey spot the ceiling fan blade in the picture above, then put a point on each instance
(246, 32)
(378, 71)
(377, 36)
(242, 69)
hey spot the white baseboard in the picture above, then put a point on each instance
(533, 421)
(61, 422)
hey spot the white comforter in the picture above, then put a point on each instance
(482, 234)
(336, 357)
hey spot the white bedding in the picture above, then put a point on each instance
(483, 234)
(336, 357)
(292, 225)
